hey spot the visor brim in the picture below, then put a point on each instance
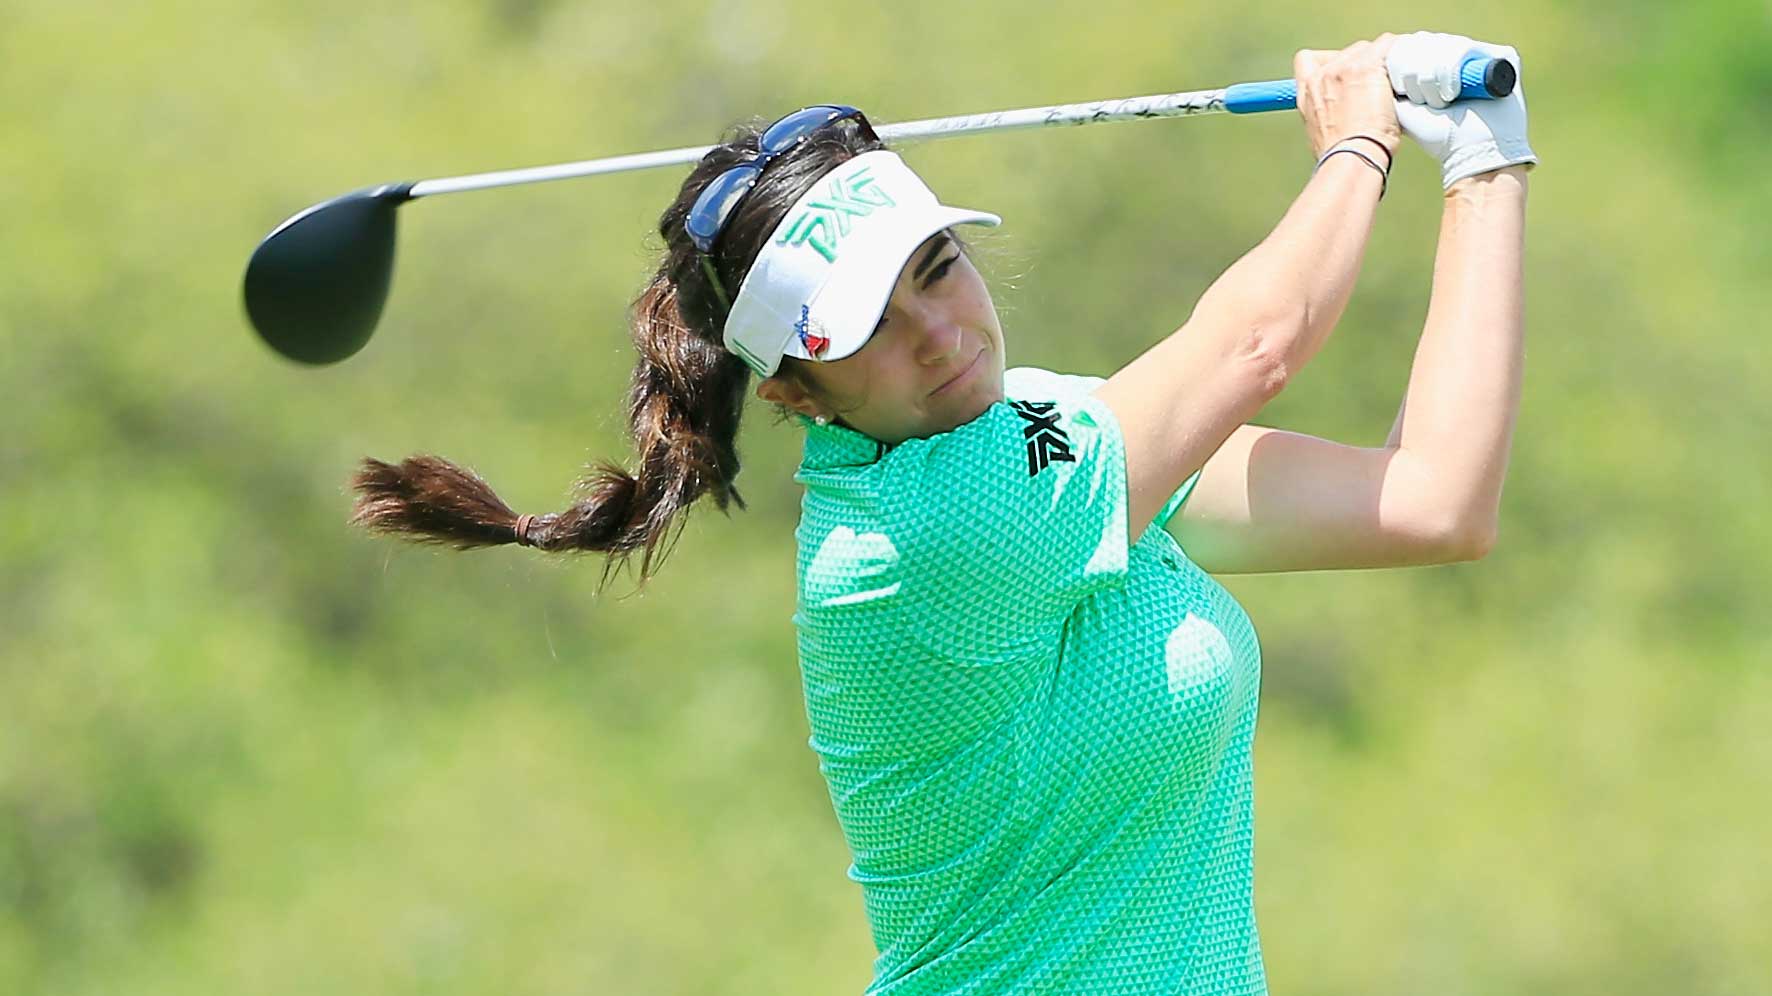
(848, 307)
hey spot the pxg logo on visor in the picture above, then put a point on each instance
(824, 222)
(817, 287)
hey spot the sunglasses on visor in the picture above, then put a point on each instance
(719, 199)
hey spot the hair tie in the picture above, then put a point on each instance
(1383, 177)
(1389, 160)
(523, 522)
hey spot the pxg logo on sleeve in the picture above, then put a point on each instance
(1046, 439)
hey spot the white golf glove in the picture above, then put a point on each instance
(1474, 136)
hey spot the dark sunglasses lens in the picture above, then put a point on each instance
(721, 197)
(716, 203)
(784, 133)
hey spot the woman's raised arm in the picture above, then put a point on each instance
(1270, 500)
(1271, 311)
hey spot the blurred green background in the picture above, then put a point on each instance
(246, 749)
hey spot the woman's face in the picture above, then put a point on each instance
(934, 362)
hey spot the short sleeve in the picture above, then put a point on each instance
(1085, 382)
(1007, 523)
(1177, 499)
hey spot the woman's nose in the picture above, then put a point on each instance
(939, 340)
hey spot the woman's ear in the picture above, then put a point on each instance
(787, 392)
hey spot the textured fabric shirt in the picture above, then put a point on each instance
(1036, 733)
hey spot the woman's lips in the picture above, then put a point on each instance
(962, 375)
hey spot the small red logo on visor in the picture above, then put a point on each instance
(813, 344)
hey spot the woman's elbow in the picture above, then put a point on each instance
(1267, 354)
(1250, 333)
(1449, 537)
(1471, 540)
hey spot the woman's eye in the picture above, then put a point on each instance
(940, 271)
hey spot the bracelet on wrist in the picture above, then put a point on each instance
(1389, 158)
(1383, 176)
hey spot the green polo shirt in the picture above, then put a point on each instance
(1036, 733)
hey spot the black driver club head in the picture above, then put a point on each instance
(316, 285)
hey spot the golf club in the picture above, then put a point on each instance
(316, 285)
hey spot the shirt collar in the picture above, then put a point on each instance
(833, 445)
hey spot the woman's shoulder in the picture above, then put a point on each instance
(1055, 405)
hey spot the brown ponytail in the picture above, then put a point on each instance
(684, 401)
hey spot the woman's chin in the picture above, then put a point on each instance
(974, 404)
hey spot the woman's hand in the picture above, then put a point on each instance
(1473, 137)
(1346, 93)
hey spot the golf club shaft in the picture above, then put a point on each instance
(1169, 105)
(1242, 98)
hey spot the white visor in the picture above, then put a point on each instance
(818, 287)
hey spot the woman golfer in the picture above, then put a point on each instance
(1033, 709)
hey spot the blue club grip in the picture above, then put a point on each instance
(1482, 78)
